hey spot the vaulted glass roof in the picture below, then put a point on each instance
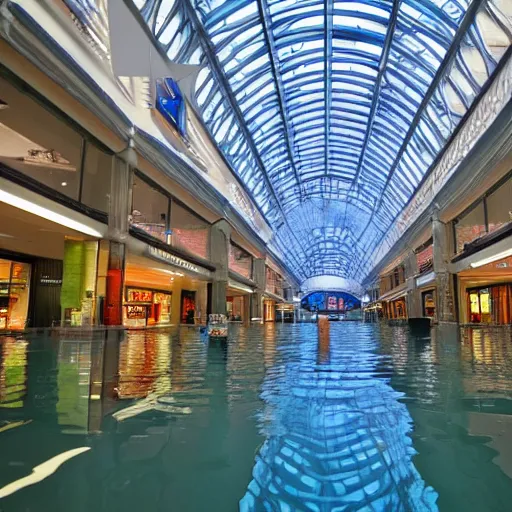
(332, 112)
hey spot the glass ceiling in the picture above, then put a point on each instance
(332, 112)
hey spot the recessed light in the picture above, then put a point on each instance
(5, 235)
(3, 105)
(64, 183)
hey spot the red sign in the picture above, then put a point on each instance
(139, 295)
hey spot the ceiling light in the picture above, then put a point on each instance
(45, 213)
(3, 105)
(64, 183)
(5, 235)
(491, 259)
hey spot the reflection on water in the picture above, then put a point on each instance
(365, 417)
(336, 434)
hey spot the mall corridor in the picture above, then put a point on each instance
(255, 255)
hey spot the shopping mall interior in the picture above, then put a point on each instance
(256, 255)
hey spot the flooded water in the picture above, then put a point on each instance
(367, 417)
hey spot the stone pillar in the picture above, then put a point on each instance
(118, 227)
(413, 299)
(121, 194)
(441, 256)
(259, 277)
(220, 236)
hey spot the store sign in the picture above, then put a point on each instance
(135, 312)
(139, 295)
(48, 281)
(161, 255)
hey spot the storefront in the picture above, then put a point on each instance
(394, 304)
(146, 307)
(188, 307)
(238, 300)
(427, 292)
(490, 305)
(163, 289)
(428, 301)
(397, 309)
(485, 293)
(285, 313)
(269, 310)
(14, 294)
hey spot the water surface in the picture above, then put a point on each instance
(369, 418)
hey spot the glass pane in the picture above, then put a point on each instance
(499, 207)
(470, 227)
(150, 209)
(18, 295)
(34, 142)
(189, 232)
(96, 180)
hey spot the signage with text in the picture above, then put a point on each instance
(176, 261)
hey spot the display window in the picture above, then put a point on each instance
(397, 309)
(14, 294)
(269, 311)
(429, 303)
(144, 307)
(188, 307)
(490, 305)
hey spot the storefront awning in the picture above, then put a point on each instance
(396, 293)
(273, 296)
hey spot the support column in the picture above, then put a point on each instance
(118, 227)
(413, 299)
(259, 277)
(220, 236)
(441, 255)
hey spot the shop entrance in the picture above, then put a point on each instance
(492, 304)
(188, 307)
(235, 306)
(428, 299)
(14, 294)
(269, 311)
(146, 307)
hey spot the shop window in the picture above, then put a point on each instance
(189, 232)
(429, 304)
(14, 294)
(480, 306)
(499, 207)
(188, 307)
(143, 307)
(37, 144)
(240, 261)
(470, 227)
(96, 178)
(150, 209)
